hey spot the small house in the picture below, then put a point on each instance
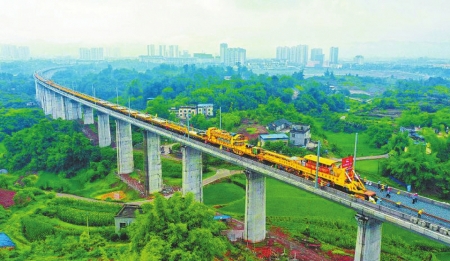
(126, 216)
(263, 138)
(279, 125)
(206, 109)
(300, 135)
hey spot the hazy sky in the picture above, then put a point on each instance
(373, 28)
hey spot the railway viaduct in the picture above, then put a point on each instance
(369, 217)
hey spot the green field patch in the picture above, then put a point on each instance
(346, 143)
(81, 212)
(58, 183)
(445, 256)
(251, 130)
(208, 174)
(87, 205)
(222, 193)
(171, 168)
(371, 170)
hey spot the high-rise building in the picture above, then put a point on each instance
(151, 50)
(85, 54)
(334, 51)
(162, 50)
(173, 51)
(12, 52)
(97, 54)
(93, 54)
(359, 59)
(303, 59)
(235, 56)
(223, 50)
(283, 53)
(232, 56)
(113, 52)
(317, 56)
(296, 54)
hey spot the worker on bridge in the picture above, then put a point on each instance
(419, 213)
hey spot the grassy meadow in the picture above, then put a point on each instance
(346, 143)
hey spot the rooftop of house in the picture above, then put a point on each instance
(279, 122)
(300, 128)
(128, 211)
(273, 136)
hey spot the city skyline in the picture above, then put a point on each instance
(404, 28)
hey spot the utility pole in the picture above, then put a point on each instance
(188, 124)
(220, 117)
(354, 154)
(117, 96)
(316, 184)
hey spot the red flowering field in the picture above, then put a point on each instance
(6, 197)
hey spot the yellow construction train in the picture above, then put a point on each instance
(331, 172)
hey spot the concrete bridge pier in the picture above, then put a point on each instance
(49, 102)
(368, 241)
(69, 109)
(255, 207)
(39, 94)
(124, 145)
(77, 110)
(88, 115)
(192, 172)
(54, 105)
(152, 163)
(58, 106)
(104, 132)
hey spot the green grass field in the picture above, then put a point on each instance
(346, 142)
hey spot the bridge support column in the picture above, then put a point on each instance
(77, 110)
(39, 94)
(124, 145)
(152, 163)
(104, 132)
(47, 102)
(368, 242)
(54, 105)
(88, 115)
(58, 106)
(255, 207)
(69, 109)
(192, 172)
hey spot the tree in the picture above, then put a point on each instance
(178, 228)
(379, 134)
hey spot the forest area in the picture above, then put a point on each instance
(32, 143)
